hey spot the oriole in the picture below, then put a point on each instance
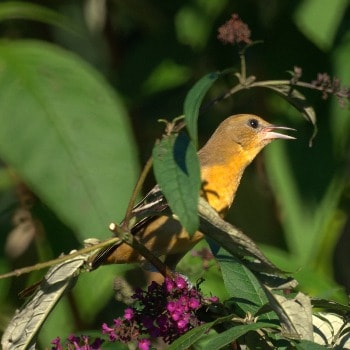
(231, 148)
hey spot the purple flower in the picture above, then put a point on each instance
(57, 344)
(171, 306)
(117, 322)
(169, 284)
(180, 282)
(128, 314)
(182, 324)
(213, 299)
(194, 303)
(176, 315)
(144, 344)
(166, 311)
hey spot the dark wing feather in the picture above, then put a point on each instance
(150, 207)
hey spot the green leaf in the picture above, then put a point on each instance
(241, 284)
(25, 10)
(189, 338)
(218, 341)
(193, 102)
(320, 19)
(308, 345)
(176, 168)
(66, 134)
(167, 75)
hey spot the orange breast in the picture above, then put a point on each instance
(220, 184)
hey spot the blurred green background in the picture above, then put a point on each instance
(79, 109)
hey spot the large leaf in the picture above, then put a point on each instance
(65, 132)
(241, 284)
(176, 168)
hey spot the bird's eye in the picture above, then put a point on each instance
(253, 123)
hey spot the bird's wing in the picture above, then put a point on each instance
(148, 209)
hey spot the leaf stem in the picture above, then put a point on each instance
(243, 75)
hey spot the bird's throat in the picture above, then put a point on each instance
(220, 183)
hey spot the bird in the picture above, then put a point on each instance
(231, 148)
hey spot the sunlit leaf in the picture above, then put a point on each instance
(330, 328)
(295, 314)
(66, 134)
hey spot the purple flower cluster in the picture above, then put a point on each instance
(77, 343)
(166, 311)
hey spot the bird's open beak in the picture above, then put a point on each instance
(270, 134)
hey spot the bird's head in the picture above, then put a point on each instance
(250, 131)
(247, 133)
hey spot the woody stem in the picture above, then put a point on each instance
(243, 76)
(146, 169)
(133, 242)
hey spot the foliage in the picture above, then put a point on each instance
(66, 134)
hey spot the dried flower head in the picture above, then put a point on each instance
(329, 86)
(234, 31)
